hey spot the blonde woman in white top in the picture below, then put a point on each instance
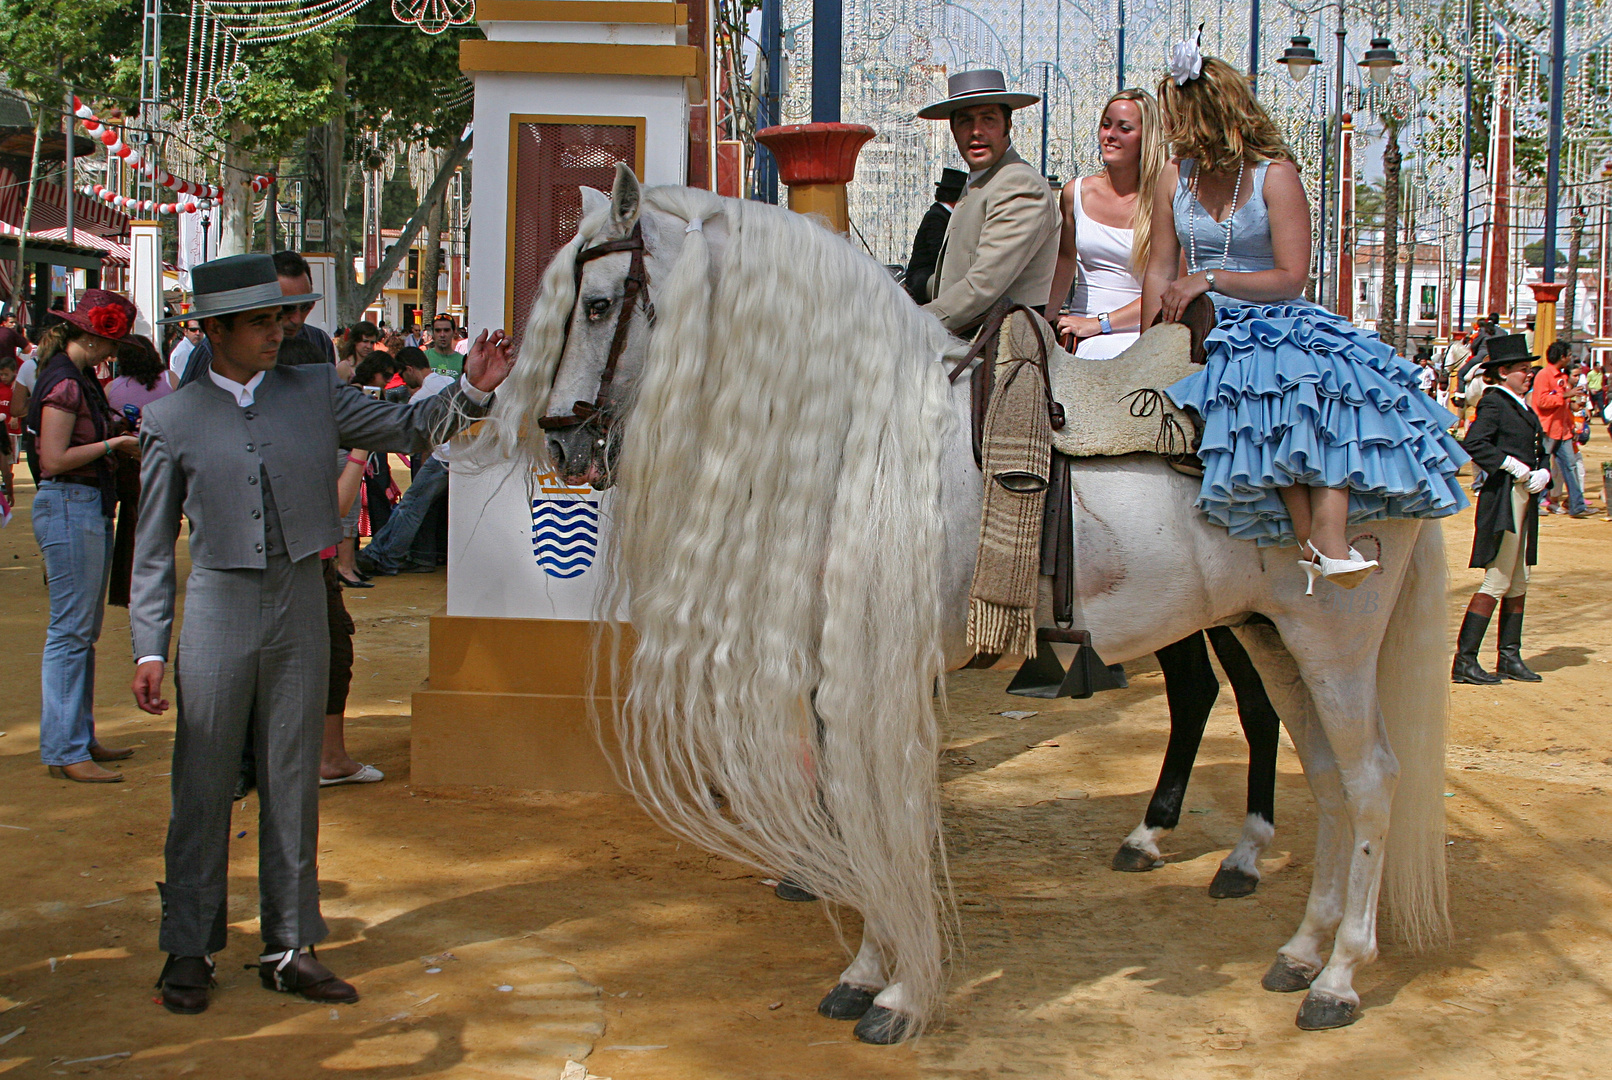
(1107, 221)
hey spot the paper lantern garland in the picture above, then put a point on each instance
(200, 196)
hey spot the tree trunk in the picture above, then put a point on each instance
(366, 293)
(271, 218)
(235, 213)
(1389, 302)
(1410, 271)
(28, 212)
(431, 265)
(1575, 245)
(336, 174)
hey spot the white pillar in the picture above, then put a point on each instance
(322, 268)
(145, 276)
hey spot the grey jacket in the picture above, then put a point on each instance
(201, 456)
(1002, 240)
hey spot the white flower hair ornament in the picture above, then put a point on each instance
(1186, 59)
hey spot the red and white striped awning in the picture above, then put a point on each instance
(90, 215)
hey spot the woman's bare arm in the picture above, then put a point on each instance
(1063, 278)
(1164, 252)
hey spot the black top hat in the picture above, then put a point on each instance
(237, 283)
(951, 185)
(1507, 349)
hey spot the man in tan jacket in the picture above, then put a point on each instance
(1002, 240)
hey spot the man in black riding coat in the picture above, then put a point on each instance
(1506, 441)
(931, 234)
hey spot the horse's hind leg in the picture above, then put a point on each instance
(1299, 961)
(1190, 688)
(1239, 872)
(1343, 691)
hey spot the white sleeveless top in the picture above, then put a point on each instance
(1103, 279)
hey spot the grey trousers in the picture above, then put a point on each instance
(255, 644)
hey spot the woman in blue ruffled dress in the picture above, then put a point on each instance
(1310, 424)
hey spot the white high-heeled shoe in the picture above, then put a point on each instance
(1344, 573)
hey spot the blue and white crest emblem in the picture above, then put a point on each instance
(565, 528)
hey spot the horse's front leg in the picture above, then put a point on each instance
(882, 1009)
(859, 984)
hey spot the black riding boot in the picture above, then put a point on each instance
(1510, 665)
(1476, 623)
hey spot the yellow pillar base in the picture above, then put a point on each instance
(1544, 327)
(828, 200)
(506, 705)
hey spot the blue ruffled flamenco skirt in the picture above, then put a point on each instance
(1294, 394)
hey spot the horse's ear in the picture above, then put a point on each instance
(593, 201)
(625, 199)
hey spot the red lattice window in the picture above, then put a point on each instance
(552, 160)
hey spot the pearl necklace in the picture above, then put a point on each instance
(1192, 227)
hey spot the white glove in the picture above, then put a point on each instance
(1515, 468)
(1538, 481)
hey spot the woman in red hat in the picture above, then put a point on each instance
(75, 438)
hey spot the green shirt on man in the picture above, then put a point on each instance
(447, 363)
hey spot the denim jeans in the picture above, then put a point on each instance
(391, 545)
(77, 543)
(1561, 453)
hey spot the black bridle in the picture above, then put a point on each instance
(634, 291)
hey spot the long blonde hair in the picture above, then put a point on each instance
(1150, 164)
(1217, 122)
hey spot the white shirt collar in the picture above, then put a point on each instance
(243, 395)
(1503, 388)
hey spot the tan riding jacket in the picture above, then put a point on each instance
(1002, 241)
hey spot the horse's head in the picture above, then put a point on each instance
(618, 271)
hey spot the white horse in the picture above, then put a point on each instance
(796, 514)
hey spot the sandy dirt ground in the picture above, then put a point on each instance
(497, 934)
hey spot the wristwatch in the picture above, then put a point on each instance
(1102, 320)
(1209, 278)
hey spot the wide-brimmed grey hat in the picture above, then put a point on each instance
(984, 87)
(237, 283)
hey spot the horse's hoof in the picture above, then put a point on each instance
(1288, 976)
(846, 1002)
(1134, 860)
(788, 890)
(1230, 883)
(882, 1027)
(1321, 1011)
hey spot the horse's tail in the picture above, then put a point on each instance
(1413, 686)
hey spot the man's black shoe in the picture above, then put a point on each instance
(184, 983)
(300, 972)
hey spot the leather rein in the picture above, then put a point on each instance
(634, 292)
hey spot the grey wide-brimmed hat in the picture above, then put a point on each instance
(237, 283)
(984, 87)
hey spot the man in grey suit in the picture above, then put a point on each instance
(1002, 239)
(248, 454)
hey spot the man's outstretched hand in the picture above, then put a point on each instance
(489, 361)
(148, 687)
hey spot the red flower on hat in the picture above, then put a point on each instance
(108, 320)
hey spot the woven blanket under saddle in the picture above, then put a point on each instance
(1014, 418)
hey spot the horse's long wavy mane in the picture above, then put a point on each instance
(777, 536)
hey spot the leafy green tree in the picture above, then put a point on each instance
(47, 46)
